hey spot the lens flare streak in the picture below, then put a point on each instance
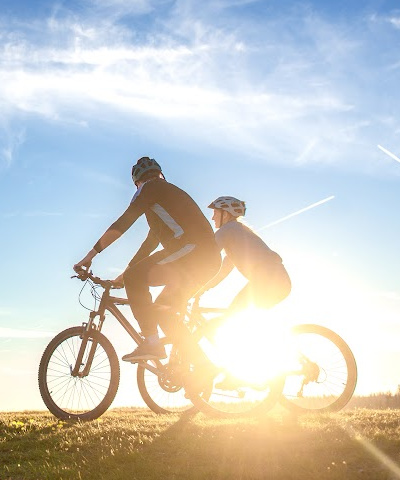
(392, 466)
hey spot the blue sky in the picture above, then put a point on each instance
(280, 105)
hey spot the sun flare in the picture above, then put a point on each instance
(252, 347)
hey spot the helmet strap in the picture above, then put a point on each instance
(226, 217)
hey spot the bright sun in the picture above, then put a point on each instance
(251, 346)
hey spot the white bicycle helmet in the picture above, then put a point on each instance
(144, 165)
(235, 207)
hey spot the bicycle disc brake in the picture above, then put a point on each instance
(310, 372)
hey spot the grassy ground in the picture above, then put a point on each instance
(137, 444)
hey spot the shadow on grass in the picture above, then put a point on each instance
(275, 447)
(139, 445)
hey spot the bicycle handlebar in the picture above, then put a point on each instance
(84, 274)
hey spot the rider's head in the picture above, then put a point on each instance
(144, 169)
(227, 209)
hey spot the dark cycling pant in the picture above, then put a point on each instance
(267, 287)
(182, 272)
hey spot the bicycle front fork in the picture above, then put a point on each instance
(87, 347)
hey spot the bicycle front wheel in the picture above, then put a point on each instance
(324, 376)
(69, 396)
(162, 389)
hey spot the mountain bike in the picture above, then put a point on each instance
(316, 371)
(79, 370)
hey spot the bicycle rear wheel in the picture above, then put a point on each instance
(241, 399)
(163, 391)
(325, 374)
(78, 397)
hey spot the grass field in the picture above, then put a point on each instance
(137, 444)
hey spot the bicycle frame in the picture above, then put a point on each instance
(194, 315)
(109, 303)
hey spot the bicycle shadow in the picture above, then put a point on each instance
(278, 447)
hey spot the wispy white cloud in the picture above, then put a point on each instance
(124, 7)
(395, 21)
(224, 4)
(10, 141)
(387, 20)
(285, 97)
(302, 158)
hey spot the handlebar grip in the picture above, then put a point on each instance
(82, 274)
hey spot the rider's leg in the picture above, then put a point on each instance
(137, 279)
(241, 301)
(189, 274)
(172, 301)
(182, 275)
(270, 286)
(267, 287)
(137, 286)
(195, 270)
(260, 293)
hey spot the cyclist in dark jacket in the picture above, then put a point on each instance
(189, 258)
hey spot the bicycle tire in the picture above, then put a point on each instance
(236, 403)
(228, 409)
(337, 377)
(65, 395)
(163, 394)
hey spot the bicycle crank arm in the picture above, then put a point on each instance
(156, 370)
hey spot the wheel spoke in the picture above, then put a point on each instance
(337, 372)
(74, 396)
(164, 393)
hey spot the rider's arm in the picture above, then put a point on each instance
(147, 247)
(226, 268)
(106, 239)
(120, 226)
